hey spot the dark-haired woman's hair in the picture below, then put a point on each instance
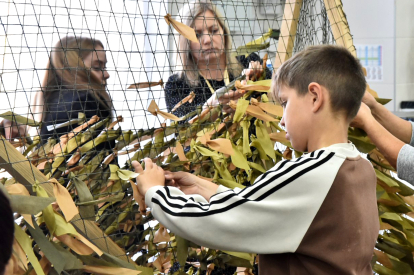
(66, 69)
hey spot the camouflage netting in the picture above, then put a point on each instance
(82, 213)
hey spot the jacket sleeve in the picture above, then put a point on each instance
(405, 163)
(271, 216)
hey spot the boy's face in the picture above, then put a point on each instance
(296, 118)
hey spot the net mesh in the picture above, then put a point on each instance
(50, 74)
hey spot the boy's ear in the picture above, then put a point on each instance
(316, 93)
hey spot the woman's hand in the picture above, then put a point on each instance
(13, 130)
(398, 127)
(225, 99)
(153, 175)
(254, 71)
(190, 184)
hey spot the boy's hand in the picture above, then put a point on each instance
(153, 175)
(191, 184)
(363, 117)
(186, 182)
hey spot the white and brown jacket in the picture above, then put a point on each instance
(313, 215)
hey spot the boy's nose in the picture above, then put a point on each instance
(282, 122)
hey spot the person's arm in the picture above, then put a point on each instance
(412, 134)
(397, 126)
(405, 163)
(281, 205)
(397, 153)
(388, 144)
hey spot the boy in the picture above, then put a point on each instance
(313, 215)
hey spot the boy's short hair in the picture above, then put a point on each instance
(333, 67)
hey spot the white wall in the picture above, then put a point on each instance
(371, 23)
(388, 23)
(404, 48)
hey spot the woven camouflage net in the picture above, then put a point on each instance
(76, 204)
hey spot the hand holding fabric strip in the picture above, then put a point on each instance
(153, 175)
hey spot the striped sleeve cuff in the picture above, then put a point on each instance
(150, 193)
(221, 188)
(405, 163)
(224, 188)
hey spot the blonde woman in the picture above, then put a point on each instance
(75, 81)
(207, 65)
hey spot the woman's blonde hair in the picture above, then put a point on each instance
(66, 69)
(185, 65)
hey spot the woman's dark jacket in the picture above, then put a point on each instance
(64, 105)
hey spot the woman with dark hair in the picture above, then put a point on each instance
(75, 82)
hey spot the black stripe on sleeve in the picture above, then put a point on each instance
(237, 203)
(196, 204)
(294, 177)
(250, 190)
(188, 204)
(167, 190)
(259, 185)
(283, 163)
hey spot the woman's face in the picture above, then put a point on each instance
(211, 38)
(96, 60)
